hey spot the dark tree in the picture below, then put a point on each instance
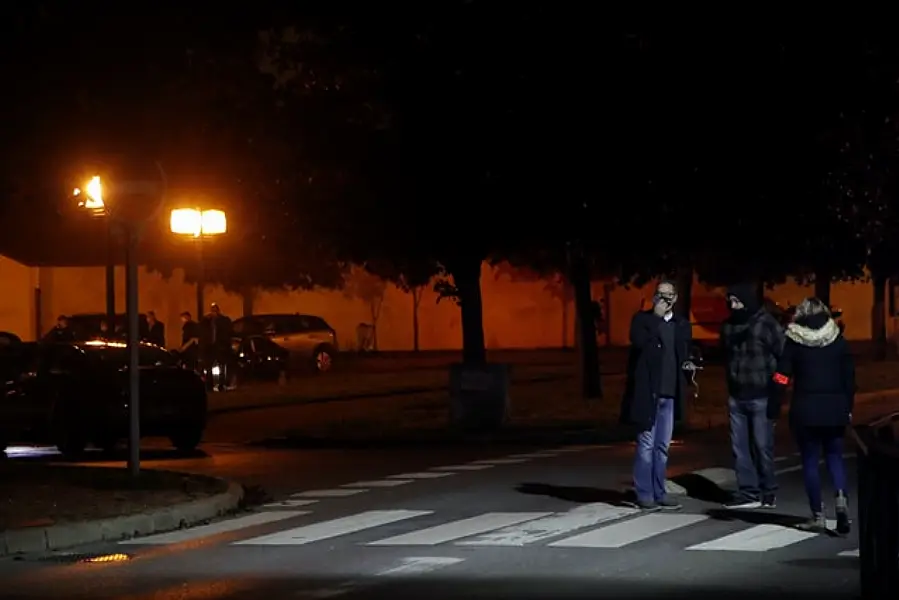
(441, 106)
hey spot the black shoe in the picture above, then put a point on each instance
(769, 501)
(844, 525)
(647, 505)
(743, 504)
(669, 504)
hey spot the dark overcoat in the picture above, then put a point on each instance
(641, 397)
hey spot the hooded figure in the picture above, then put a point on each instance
(752, 341)
(817, 361)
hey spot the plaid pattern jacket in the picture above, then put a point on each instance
(752, 349)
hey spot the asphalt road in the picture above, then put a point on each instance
(444, 521)
(451, 522)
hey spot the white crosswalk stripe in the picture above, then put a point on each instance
(760, 538)
(458, 529)
(591, 526)
(552, 526)
(629, 532)
(335, 528)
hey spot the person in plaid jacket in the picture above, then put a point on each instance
(752, 340)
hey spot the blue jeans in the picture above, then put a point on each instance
(811, 441)
(752, 443)
(651, 461)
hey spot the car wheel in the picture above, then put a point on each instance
(108, 444)
(67, 437)
(323, 360)
(186, 439)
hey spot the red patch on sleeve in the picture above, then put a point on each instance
(781, 379)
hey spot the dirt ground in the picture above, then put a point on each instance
(39, 495)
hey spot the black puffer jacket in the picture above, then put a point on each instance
(817, 361)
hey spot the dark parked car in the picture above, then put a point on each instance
(75, 394)
(309, 339)
(9, 339)
(259, 359)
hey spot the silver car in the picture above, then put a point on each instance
(309, 339)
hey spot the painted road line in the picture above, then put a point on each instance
(461, 468)
(424, 475)
(335, 493)
(579, 448)
(500, 461)
(289, 503)
(849, 553)
(786, 470)
(759, 538)
(194, 533)
(535, 455)
(334, 528)
(417, 565)
(630, 531)
(455, 530)
(377, 484)
(552, 526)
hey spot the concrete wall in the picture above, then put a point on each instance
(17, 303)
(519, 312)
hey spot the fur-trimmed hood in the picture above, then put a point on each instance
(814, 337)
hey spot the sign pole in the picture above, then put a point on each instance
(139, 196)
(131, 285)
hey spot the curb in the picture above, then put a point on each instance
(67, 535)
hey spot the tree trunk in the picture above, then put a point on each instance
(607, 310)
(591, 383)
(416, 301)
(467, 279)
(822, 285)
(248, 296)
(684, 291)
(375, 308)
(878, 317)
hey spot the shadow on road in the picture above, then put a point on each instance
(579, 494)
(838, 562)
(700, 488)
(756, 517)
(448, 587)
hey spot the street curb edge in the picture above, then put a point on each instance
(68, 535)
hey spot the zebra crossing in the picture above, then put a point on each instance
(592, 526)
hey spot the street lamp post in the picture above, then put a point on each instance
(198, 224)
(91, 200)
(130, 203)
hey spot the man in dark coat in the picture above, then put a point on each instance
(660, 343)
(190, 341)
(155, 330)
(216, 331)
(752, 340)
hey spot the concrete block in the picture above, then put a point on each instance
(127, 527)
(73, 534)
(193, 512)
(40, 539)
(165, 520)
(674, 489)
(720, 476)
(31, 539)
